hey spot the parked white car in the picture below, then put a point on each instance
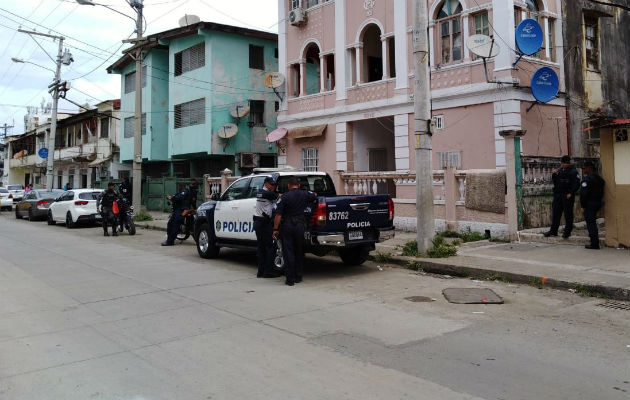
(75, 206)
(6, 199)
(17, 191)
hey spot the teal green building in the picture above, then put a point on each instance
(192, 77)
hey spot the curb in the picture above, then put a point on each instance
(152, 227)
(614, 293)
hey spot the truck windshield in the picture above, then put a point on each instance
(320, 184)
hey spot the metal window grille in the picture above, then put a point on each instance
(481, 24)
(104, 128)
(591, 42)
(129, 126)
(190, 113)
(310, 158)
(256, 57)
(448, 159)
(256, 112)
(311, 3)
(552, 56)
(295, 4)
(439, 122)
(130, 80)
(191, 58)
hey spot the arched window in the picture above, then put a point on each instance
(311, 55)
(449, 25)
(372, 53)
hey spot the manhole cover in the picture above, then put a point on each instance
(419, 299)
(616, 305)
(472, 296)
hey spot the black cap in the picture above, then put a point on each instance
(565, 160)
(110, 184)
(589, 164)
(270, 180)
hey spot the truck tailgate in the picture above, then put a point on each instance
(346, 213)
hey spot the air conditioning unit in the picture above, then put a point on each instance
(297, 16)
(248, 160)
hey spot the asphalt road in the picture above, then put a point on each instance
(83, 316)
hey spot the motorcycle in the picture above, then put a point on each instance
(188, 224)
(125, 215)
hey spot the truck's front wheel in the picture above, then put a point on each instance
(354, 255)
(205, 243)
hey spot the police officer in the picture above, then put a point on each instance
(106, 201)
(591, 193)
(290, 224)
(263, 225)
(194, 190)
(181, 202)
(125, 189)
(565, 185)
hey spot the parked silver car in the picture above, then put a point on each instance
(17, 191)
(35, 204)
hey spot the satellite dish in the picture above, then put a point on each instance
(188, 20)
(544, 84)
(274, 80)
(276, 135)
(483, 46)
(239, 110)
(529, 36)
(227, 131)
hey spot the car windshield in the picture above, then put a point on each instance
(53, 194)
(89, 195)
(320, 184)
(14, 187)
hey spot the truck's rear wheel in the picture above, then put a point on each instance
(354, 255)
(205, 243)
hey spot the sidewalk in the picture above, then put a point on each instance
(562, 265)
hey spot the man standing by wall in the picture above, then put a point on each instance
(565, 185)
(591, 193)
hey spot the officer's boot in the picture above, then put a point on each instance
(105, 232)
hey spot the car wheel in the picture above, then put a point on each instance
(69, 223)
(206, 244)
(31, 218)
(354, 255)
(50, 219)
(17, 214)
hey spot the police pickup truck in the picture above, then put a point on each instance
(350, 224)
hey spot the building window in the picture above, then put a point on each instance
(294, 4)
(277, 106)
(130, 80)
(481, 24)
(439, 122)
(104, 128)
(256, 57)
(550, 38)
(275, 53)
(192, 58)
(190, 113)
(449, 23)
(311, 3)
(591, 42)
(256, 113)
(309, 158)
(128, 127)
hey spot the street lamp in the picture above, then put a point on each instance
(56, 88)
(21, 61)
(136, 53)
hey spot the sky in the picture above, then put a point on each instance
(94, 36)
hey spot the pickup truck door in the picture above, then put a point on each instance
(230, 221)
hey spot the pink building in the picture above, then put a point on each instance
(349, 90)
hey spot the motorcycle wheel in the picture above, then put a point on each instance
(278, 260)
(183, 232)
(131, 228)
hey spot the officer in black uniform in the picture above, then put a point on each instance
(263, 225)
(194, 190)
(289, 224)
(125, 189)
(591, 193)
(181, 202)
(565, 185)
(106, 201)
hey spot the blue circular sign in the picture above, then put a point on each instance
(544, 84)
(43, 152)
(529, 36)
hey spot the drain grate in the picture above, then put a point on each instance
(419, 299)
(615, 305)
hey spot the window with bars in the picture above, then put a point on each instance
(128, 127)
(311, 3)
(310, 158)
(591, 42)
(449, 23)
(481, 24)
(130, 80)
(294, 4)
(256, 57)
(550, 38)
(190, 113)
(190, 59)
(256, 113)
(104, 128)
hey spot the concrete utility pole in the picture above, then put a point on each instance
(5, 128)
(422, 118)
(136, 193)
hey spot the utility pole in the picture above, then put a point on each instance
(422, 118)
(54, 88)
(136, 191)
(6, 129)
